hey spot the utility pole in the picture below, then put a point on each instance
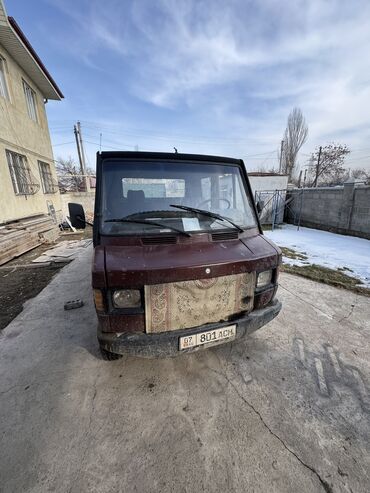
(83, 162)
(317, 167)
(281, 155)
(299, 179)
(78, 149)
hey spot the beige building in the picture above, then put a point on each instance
(27, 172)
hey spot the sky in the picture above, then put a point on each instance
(205, 76)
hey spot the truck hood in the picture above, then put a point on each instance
(135, 266)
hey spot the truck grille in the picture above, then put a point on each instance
(225, 235)
(186, 304)
(159, 240)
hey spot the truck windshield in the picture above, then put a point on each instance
(150, 192)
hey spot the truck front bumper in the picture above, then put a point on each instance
(166, 344)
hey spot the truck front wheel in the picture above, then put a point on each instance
(108, 356)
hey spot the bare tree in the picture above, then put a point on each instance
(263, 169)
(294, 137)
(69, 175)
(337, 177)
(360, 174)
(326, 165)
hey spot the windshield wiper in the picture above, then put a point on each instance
(209, 214)
(138, 221)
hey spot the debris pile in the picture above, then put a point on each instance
(64, 252)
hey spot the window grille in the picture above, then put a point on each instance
(24, 183)
(48, 183)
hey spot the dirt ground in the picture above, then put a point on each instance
(19, 283)
(284, 410)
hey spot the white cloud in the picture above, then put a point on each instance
(244, 63)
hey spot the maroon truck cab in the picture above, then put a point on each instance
(180, 260)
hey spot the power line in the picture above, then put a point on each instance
(353, 160)
(109, 147)
(155, 134)
(62, 124)
(63, 143)
(60, 129)
(118, 147)
(174, 138)
(248, 156)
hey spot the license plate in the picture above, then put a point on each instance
(216, 336)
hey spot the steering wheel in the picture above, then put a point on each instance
(209, 200)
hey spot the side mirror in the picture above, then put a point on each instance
(260, 205)
(77, 215)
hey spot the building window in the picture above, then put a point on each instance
(20, 172)
(3, 87)
(47, 181)
(31, 101)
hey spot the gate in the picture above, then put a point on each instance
(273, 205)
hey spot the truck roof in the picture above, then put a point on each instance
(173, 156)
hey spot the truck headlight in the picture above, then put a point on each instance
(127, 298)
(264, 278)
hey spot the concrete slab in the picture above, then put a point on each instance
(287, 410)
(63, 252)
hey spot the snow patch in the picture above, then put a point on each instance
(326, 249)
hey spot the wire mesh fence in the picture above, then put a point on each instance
(272, 203)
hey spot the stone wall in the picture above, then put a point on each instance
(344, 210)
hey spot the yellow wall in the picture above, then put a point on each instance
(18, 133)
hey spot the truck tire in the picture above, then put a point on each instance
(108, 356)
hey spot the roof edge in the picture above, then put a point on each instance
(34, 55)
(262, 173)
(168, 155)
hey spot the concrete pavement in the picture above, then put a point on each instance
(286, 410)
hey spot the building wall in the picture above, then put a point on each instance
(18, 133)
(344, 210)
(86, 199)
(270, 182)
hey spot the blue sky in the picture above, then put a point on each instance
(206, 76)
